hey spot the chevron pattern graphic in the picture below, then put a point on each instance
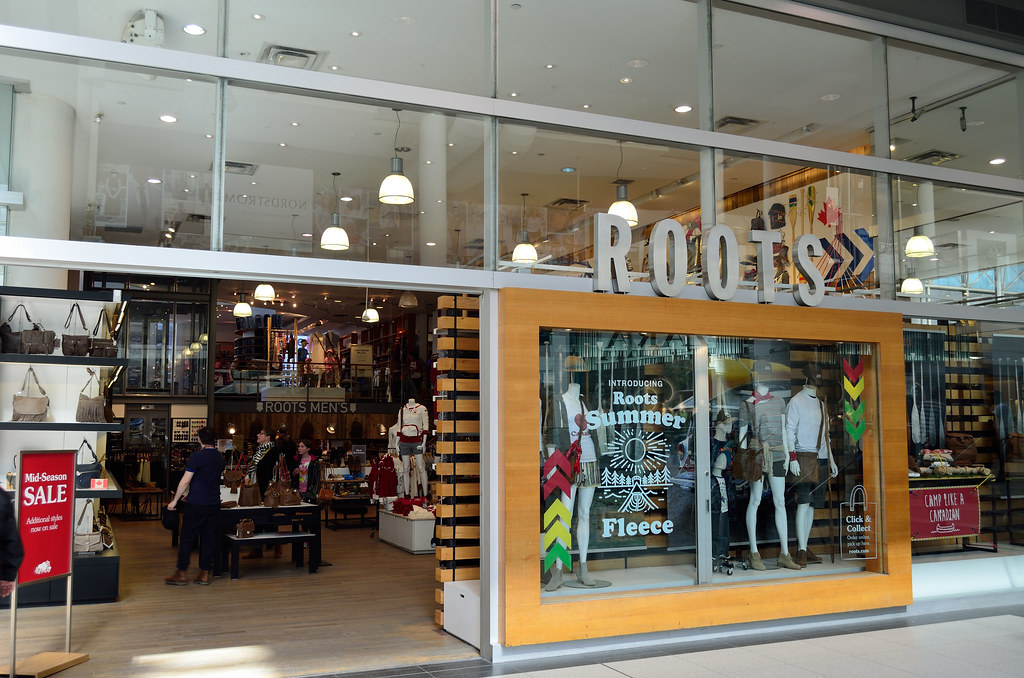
(558, 514)
(853, 405)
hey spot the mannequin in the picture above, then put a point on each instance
(413, 425)
(722, 449)
(583, 489)
(764, 412)
(808, 433)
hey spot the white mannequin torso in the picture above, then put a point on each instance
(575, 412)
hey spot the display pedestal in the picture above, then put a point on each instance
(462, 610)
(45, 664)
(407, 534)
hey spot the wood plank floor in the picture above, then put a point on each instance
(373, 608)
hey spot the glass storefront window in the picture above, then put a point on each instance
(834, 204)
(281, 192)
(637, 61)
(165, 347)
(792, 80)
(956, 245)
(110, 155)
(949, 110)
(965, 429)
(652, 478)
(553, 183)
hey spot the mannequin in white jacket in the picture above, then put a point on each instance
(413, 426)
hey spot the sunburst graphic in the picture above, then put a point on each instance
(637, 468)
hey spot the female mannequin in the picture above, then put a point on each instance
(764, 412)
(806, 433)
(413, 425)
(583, 489)
(721, 487)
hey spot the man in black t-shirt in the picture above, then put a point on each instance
(200, 512)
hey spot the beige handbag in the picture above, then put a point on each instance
(88, 542)
(90, 408)
(28, 407)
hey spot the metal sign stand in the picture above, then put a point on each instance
(44, 663)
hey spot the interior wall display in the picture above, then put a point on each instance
(180, 430)
(194, 425)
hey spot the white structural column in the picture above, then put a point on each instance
(432, 191)
(41, 168)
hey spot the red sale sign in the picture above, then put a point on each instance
(939, 512)
(46, 491)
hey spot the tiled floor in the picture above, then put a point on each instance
(985, 642)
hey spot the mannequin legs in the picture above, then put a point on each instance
(584, 497)
(556, 572)
(421, 471)
(778, 486)
(804, 521)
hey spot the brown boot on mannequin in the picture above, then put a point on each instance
(176, 579)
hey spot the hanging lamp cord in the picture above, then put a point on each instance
(619, 168)
(397, 130)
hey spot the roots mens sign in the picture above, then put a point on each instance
(46, 495)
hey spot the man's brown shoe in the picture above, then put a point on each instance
(176, 579)
(203, 579)
(785, 560)
(801, 558)
(811, 557)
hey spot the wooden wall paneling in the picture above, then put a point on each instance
(458, 440)
(525, 620)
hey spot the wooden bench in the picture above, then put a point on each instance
(296, 539)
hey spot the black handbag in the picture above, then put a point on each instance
(87, 472)
(76, 345)
(98, 346)
(168, 517)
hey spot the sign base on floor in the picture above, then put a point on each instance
(46, 664)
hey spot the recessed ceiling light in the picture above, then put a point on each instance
(451, 145)
(683, 109)
(185, 189)
(253, 183)
(345, 198)
(515, 152)
(431, 244)
(244, 195)
(430, 162)
(167, 235)
(831, 96)
(153, 180)
(514, 94)
(892, 147)
(625, 81)
(374, 244)
(637, 63)
(997, 161)
(334, 68)
(913, 204)
(933, 259)
(355, 34)
(208, 136)
(193, 29)
(307, 235)
(586, 106)
(438, 202)
(549, 66)
(257, 16)
(282, 144)
(295, 124)
(191, 176)
(167, 117)
(568, 170)
(991, 232)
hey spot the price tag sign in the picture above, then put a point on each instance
(46, 495)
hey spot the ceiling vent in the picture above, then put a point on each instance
(231, 167)
(933, 157)
(994, 16)
(734, 124)
(567, 204)
(292, 57)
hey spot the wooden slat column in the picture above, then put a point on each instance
(458, 443)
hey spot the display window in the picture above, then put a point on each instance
(690, 450)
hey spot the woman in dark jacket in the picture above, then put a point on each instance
(306, 475)
(11, 551)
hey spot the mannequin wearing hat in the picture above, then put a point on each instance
(722, 498)
(765, 412)
(587, 480)
(807, 432)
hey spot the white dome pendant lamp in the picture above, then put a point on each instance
(622, 207)
(334, 236)
(396, 189)
(525, 252)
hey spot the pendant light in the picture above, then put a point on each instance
(334, 236)
(242, 308)
(920, 246)
(524, 253)
(264, 292)
(370, 314)
(408, 300)
(195, 346)
(911, 286)
(204, 338)
(622, 206)
(396, 189)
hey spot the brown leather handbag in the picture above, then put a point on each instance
(98, 346)
(245, 528)
(287, 495)
(75, 344)
(748, 462)
(964, 447)
(249, 493)
(233, 476)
